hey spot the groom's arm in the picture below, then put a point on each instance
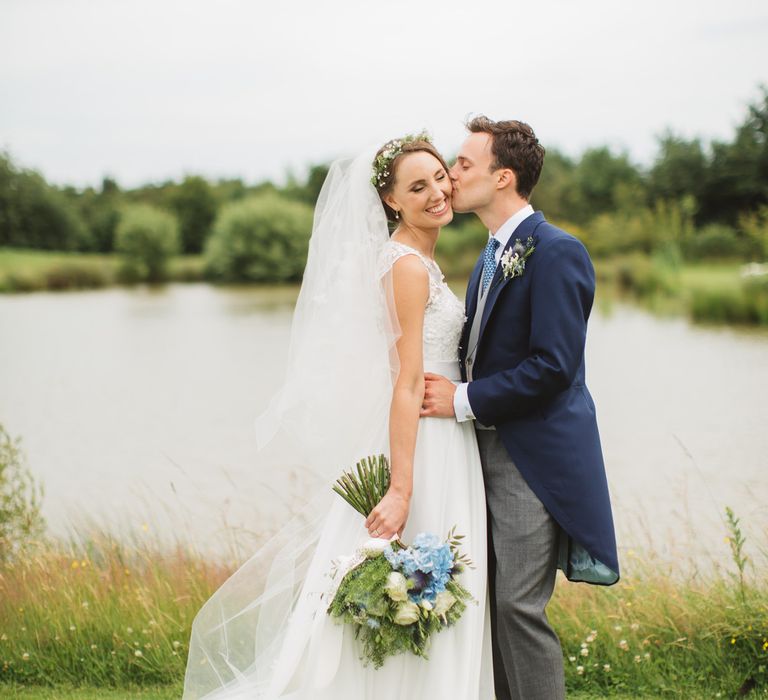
(562, 292)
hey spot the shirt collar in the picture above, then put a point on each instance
(510, 225)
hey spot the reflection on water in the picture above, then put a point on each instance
(136, 406)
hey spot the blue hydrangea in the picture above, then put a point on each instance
(427, 555)
(373, 623)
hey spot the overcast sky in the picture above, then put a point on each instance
(145, 90)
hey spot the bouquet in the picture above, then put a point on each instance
(396, 596)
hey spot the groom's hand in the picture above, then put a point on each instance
(438, 396)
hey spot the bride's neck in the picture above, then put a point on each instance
(423, 240)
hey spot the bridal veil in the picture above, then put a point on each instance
(331, 411)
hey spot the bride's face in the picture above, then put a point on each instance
(422, 191)
(474, 183)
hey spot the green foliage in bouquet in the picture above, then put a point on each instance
(366, 487)
(387, 627)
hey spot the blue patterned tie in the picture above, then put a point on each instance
(489, 262)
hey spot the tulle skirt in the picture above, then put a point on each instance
(318, 659)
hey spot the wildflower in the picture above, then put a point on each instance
(584, 645)
(733, 640)
(138, 653)
(75, 564)
(113, 653)
(152, 623)
(646, 656)
(592, 636)
(85, 603)
(607, 668)
(72, 628)
(571, 659)
(580, 670)
(584, 652)
(765, 645)
(634, 626)
(93, 647)
(623, 645)
(637, 658)
(129, 630)
(84, 563)
(25, 656)
(145, 631)
(176, 644)
(617, 628)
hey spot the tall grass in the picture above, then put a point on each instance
(104, 613)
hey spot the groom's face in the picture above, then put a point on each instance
(474, 184)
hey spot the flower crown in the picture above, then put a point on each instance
(392, 149)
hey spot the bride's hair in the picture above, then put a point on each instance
(387, 158)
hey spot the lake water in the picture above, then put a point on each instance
(136, 410)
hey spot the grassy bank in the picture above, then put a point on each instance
(105, 614)
(707, 292)
(727, 292)
(35, 270)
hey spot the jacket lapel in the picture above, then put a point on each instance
(525, 229)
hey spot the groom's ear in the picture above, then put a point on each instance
(506, 178)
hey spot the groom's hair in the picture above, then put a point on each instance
(514, 146)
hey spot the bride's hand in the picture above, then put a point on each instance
(389, 516)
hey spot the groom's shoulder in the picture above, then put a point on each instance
(552, 235)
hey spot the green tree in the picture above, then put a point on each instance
(195, 206)
(146, 237)
(680, 169)
(33, 214)
(263, 238)
(604, 182)
(554, 194)
(309, 190)
(737, 181)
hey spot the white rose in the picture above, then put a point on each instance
(397, 587)
(407, 613)
(375, 546)
(426, 605)
(444, 602)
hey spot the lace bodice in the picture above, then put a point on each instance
(444, 314)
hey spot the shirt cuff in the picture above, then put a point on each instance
(461, 406)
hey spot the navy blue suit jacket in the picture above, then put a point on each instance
(528, 382)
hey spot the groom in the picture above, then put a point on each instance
(522, 357)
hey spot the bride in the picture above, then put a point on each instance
(374, 313)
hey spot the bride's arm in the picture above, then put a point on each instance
(410, 282)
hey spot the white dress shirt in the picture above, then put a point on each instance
(460, 399)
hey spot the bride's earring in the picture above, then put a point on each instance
(397, 214)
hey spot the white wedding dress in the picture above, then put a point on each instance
(293, 650)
